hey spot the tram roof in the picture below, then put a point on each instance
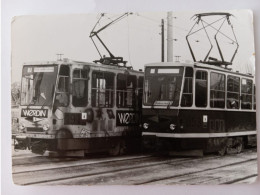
(68, 62)
(197, 65)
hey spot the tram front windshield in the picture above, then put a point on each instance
(38, 84)
(162, 85)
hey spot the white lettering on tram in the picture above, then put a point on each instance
(126, 118)
(39, 113)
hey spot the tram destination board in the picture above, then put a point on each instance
(118, 113)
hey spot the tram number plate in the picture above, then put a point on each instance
(126, 118)
(205, 121)
(205, 118)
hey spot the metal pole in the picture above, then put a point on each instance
(169, 37)
(162, 40)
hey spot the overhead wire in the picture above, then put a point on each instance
(229, 40)
(201, 41)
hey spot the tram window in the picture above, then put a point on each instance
(217, 90)
(63, 85)
(246, 94)
(80, 88)
(62, 95)
(126, 85)
(140, 91)
(201, 89)
(254, 97)
(102, 89)
(64, 70)
(233, 91)
(187, 97)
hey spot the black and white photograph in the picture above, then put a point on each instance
(134, 98)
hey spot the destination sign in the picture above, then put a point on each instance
(163, 103)
(34, 113)
(44, 69)
(168, 71)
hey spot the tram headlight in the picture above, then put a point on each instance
(21, 126)
(145, 125)
(46, 127)
(172, 126)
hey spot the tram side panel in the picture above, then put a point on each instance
(114, 114)
(221, 108)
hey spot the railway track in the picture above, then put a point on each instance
(136, 170)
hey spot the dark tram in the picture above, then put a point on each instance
(198, 106)
(201, 105)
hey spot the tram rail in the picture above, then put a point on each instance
(135, 170)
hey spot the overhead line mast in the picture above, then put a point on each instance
(162, 36)
(169, 37)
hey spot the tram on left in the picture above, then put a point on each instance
(75, 107)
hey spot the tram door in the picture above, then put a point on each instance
(62, 92)
(102, 101)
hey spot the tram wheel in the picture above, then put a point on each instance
(222, 151)
(239, 147)
(115, 150)
(122, 147)
(118, 149)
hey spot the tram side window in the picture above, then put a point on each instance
(254, 97)
(201, 88)
(126, 85)
(246, 93)
(187, 97)
(80, 88)
(233, 92)
(62, 94)
(102, 89)
(217, 90)
(140, 91)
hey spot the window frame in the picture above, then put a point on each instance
(195, 88)
(126, 90)
(247, 94)
(58, 92)
(236, 104)
(192, 90)
(217, 90)
(86, 85)
(254, 97)
(98, 89)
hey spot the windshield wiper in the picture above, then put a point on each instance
(43, 95)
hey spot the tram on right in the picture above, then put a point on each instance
(202, 105)
(198, 106)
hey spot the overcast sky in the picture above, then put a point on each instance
(135, 38)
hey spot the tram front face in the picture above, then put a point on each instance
(161, 98)
(37, 92)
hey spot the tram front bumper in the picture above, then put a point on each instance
(37, 136)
